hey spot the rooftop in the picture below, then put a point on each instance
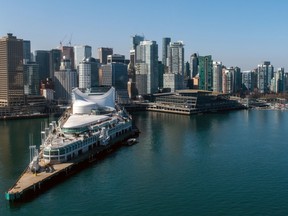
(78, 121)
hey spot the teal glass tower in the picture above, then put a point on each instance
(205, 68)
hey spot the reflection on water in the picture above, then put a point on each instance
(14, 148)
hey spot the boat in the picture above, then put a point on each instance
(131, 141)
(93, 126)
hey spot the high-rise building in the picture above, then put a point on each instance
(103, 52)
(131, 85)
(193, 65)
(174, 79)
(65, 81)
(88, 71)
(142, 87)
(248, 81)
(84, 71)
(147, 67)
(31, 79)
(95, 65)
(231, 80)
(187, 81)
(68, 53)
(217, 76)
(133, 56)
(42, 58)
(187, 69)
(116, 58)
(114, 74)
(161, 70)
(265, 73)
(26, 51)
(237, 80)
(131, 66)
(165, 43)
(54, 61)
(286, 81)
(11, 71)
(136, 39)
(227, 81)
(81, 53)
(176, 58)
(278, 81)
(205, 72)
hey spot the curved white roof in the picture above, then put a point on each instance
(83, 103)
(78, 121)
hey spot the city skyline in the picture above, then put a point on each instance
(238, 33)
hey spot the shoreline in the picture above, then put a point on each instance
(25, 116)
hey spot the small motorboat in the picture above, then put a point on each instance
(131, 141)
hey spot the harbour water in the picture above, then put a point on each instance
(233, 163)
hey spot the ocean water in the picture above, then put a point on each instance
(233, 163)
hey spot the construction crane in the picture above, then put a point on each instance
(69, 43)
(61, 41)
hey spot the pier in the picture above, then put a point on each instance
(31, 184)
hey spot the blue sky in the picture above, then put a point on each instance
(237, 32)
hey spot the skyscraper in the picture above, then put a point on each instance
(81, 53)
(217, 76)
(135, 43)
(68, 53)
(31, 79)
(174, 79)
(278, 84)
(65, 81)
(237, 80)
(26, 51)
(131, 85)
(84, 71)
(193, 65)
(42, 58)
(248, 81)
(103, 52)
(116, 58)
(114, 74)
(88, 71)
(11, 71)
(147, 67)
(136, 39)
(232, 80)
(176, 58)
(54, 61)
(165, 43)
(227, 81)
(265, 73)
(133, 56)
(205, 72)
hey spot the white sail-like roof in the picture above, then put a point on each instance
(84, 103)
